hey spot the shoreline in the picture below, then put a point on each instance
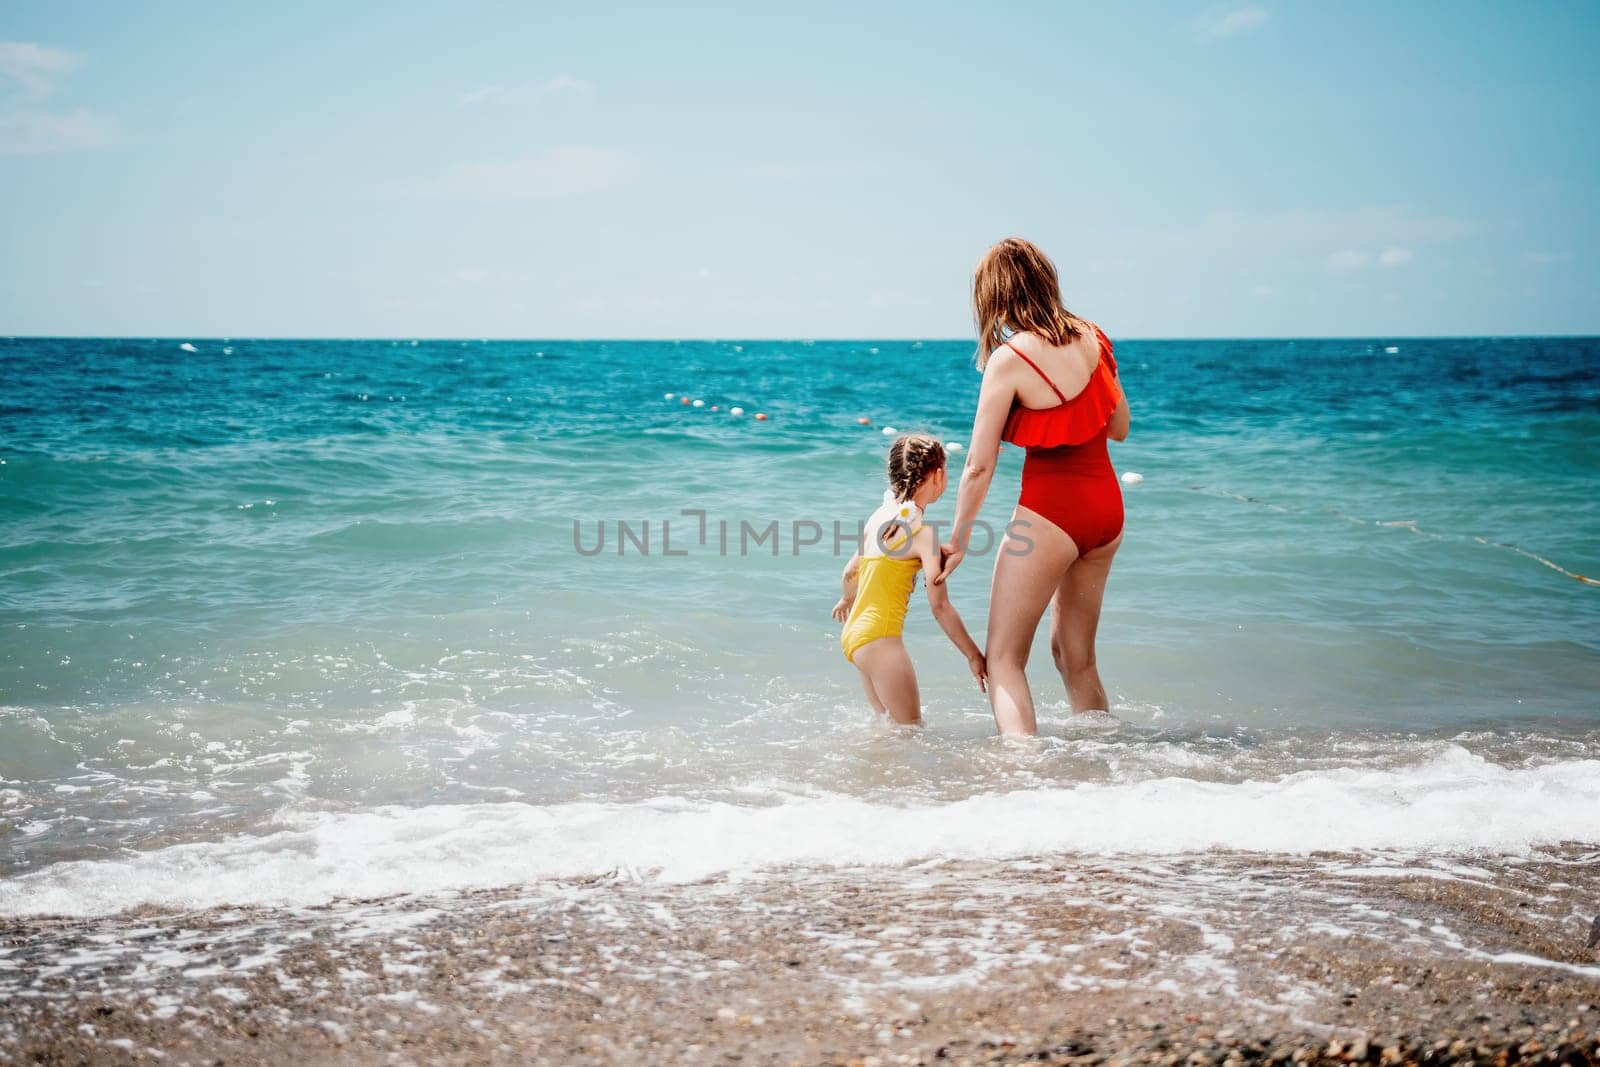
(1228, 956)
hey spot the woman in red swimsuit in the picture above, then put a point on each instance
(1049, 386)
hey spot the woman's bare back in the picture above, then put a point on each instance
(1068, 366)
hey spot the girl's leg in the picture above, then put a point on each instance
(1024, 580)
(1074, 618)
(887, 673)
(872, 694)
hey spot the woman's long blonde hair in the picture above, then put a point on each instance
(1016, 288)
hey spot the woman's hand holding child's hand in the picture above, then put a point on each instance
(950, 556)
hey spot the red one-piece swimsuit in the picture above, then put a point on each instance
(1067, 477)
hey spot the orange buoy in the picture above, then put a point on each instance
(760, 417)
(863, 421)
(683, 400)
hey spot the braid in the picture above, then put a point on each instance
(912, 458)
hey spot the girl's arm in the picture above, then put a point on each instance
(983, 451)
(944, 611)
(847, 584)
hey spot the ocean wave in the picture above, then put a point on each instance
(1455, 803)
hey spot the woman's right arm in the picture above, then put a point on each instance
(983, 451)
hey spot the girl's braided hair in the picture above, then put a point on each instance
(912, 458)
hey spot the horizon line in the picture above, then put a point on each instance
(407, 338)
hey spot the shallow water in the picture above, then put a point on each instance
(300, 619)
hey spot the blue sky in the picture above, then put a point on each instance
(526, 170)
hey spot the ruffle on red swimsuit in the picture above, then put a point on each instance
(1074, 420)
(1068, 478)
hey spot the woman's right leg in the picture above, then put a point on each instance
(890, 680)
(1074, 619)
(1024, 581)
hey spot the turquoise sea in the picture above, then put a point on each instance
(282, 621)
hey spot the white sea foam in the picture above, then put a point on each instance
(1454, 803)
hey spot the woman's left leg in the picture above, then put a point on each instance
(1074, 619)
(1026, 574)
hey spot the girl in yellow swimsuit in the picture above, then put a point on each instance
(879, 578)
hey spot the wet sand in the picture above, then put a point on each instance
(1212, 958)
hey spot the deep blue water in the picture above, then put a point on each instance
(334, 574)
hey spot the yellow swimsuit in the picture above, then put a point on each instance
(883, 590)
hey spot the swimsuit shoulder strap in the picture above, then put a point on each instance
(1036, 370)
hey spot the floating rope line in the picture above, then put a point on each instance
(1206, 489)
(1574, 575)
(1409, 525)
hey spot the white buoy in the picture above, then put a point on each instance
(699, 403)
(889, 431)
(736, 411)
(668, 396)
(1132, 478)
(227, 351)
(954, 446)
(1392, 349)
(187, 347)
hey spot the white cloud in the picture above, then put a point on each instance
(28, 74)
(558, 172)
(1348, 259)
(818, 170)
(896, 299)
(529, 90)
(1299, 233)
(35, 69)
(1220, 22)
(28, 133)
